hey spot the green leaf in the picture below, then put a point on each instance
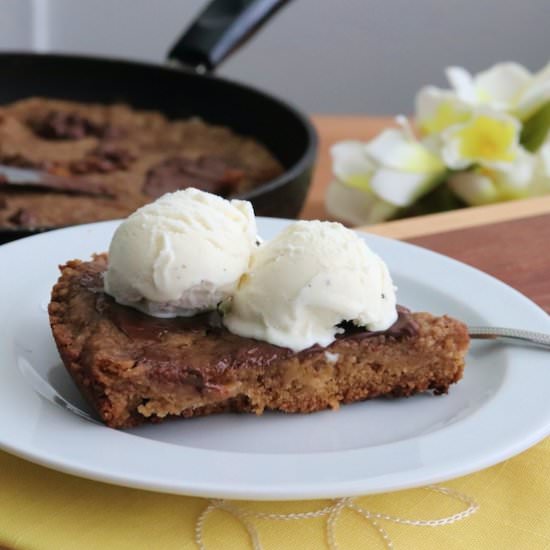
(536, 128)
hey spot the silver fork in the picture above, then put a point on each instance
(526, 336)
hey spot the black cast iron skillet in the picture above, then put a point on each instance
(182, 91)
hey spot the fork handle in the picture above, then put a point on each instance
(528, 336)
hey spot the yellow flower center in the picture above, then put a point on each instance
(420, 161)
(445, 115)
(359, 181)
(483, 96)
(489, 139)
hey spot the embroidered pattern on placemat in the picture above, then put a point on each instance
(332, 512)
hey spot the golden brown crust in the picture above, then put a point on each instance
(189, 369)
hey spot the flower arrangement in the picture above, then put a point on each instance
(484, 140)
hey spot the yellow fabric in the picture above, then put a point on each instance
(41, 509)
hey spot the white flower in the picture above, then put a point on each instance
(489, 135)
(350, 164)
(499, 87)
(354, 206)
(508, 87)
(488, 138)
(404, 168)
(484, 185)
(437, 109)
(349, 197)
(374, 180)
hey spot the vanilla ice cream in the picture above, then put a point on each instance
(305, 282)
(182, 254)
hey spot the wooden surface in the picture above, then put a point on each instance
(513, 251)
(461, 219)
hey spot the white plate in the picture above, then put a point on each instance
(500, 408)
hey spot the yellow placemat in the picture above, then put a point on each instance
(41, 509)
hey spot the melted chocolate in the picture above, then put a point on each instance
(58, 125)
(106, 158)
(140, 326)
(404, 326)
(229, 348)
(212, 174)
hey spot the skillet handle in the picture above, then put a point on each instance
(221, 28)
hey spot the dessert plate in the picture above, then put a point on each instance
(500, 408)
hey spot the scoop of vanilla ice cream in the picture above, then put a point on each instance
(305, 282)
(182, 254)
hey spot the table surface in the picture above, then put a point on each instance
(508, 241)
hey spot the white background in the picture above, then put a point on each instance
(356, 56)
